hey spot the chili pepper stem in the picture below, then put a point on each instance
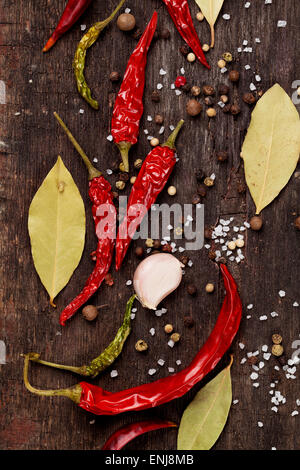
(93, 172)
(124, 148)
(77, 370)
(212, 34)
(74, 393)
(172, 138)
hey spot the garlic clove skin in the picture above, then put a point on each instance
(156, 277)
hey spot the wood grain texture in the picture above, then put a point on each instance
(33, 141)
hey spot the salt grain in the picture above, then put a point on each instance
(151, 371)
(114, 373)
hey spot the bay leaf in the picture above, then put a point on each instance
(211, 10)
(272, 145)
(56, 225)
(205, 417)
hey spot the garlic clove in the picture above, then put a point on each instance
(156, 277)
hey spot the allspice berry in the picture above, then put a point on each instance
(126, 22)
(277, 350)
(193, 107)
(276, 338)
(175, 337)
(90, 312)
(208, 90)
(114, 77)
(195, 90)
(196, 199)
(256, 222)
(235, 109)
(234, 75)
(141, 345)
(168, 328)
(297, 223)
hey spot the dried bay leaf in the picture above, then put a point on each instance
(211, 10)
(271, 147)
(56, 225)
(205, 417)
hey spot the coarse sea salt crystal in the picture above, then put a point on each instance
(241, 345)
(255, 384)
(264, 348)
(178, 92)
(162, 72)
(245, 42)
(263, 318)
(161, 130)
(81, 111)
(260, 424)
(182, 71)
(171, 370)
(226, 16)
(159, 86)
(127, 10)
(132, 316)
(161, 362)
(258, 78)
(252, 87)
(151, 371)
(281, 293)
(235, 402)
(281, 24)
(149, 118)
(239, 49)
(152, 331)
(108, 171)
(250, 306)
(171, 343)
(247, 4)
(248, 317)
(223, 70)
(129, 282)
(114, 373)
(274, 314)
(253, 376)
(110, 138)
(295, 304)
(266, 356)
(172, 86)
(247, 67)
(274, 408)
(257, 40)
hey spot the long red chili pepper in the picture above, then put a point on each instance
(129, 107)
(103, 209)
(73, 11)
(100, 402)
(123, 436)
(150, 181)
(181, 16)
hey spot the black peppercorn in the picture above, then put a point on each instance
(200, 175)
(184, 259)
(222, 156)
(123, 177)
(201, 190)
(188, 321)
(207, 232)
(156, 244)
(184, 49)
(234, 75)
(186, 88)
(208, 90)
(196, 199)
(158, 119)
(226, 108)
(155, 96)
(139, 251)
(212, 254)
(164, 33)
(192, 289)
(223, 89)
(249, 98)
(235, 109)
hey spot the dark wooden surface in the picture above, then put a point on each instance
(33, 141)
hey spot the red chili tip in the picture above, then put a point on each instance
(180, 81)
(50, 43)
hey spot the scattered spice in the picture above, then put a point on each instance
(223, 89)
(256, 222)
(141, 345)
(126, 22)
(297, 223)
(184, 50)
(208, 90)
(175, 337)
(234, 75)
(195, 90)
(172, 190)
(192, 289)
(138, 163)
(155, 96)
(188, 321)
(209, 101)
(276, 338)
(209, 288)
(114, 77)
(249, 98)
(209, 181)
(193, 107)
(158, 119)
(168, 328)
(222, 156)
(90, 312)
(211, 112)
(235, 109)
(277, 350)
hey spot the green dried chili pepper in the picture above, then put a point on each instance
(79, 60)
(106, 358)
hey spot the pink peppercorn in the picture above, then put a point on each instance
(180, 81)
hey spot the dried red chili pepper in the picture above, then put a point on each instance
(150, 181)
(101, 402)
(73, 11)
(123, 436)
(129, 107)
(181, 16)
(101, 197)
